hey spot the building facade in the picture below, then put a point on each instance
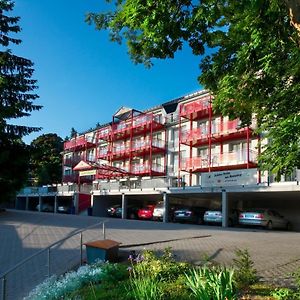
(178, 152)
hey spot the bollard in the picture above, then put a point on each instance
(103, 230)
(3, 288)
(81, 248)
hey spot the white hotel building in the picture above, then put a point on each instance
(179, 152)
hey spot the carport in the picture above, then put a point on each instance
(287, 203)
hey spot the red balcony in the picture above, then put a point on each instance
(78, 143)
(104, 133)
(120, 152)
(104, 153)
(195, 137)
(196, 109)
(229, 160)
(220, 131)
(141, 148)
(137, 126)
(147, 170)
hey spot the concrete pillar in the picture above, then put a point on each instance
(224, 209)
(27, 203)
(55, 204)
(166, 208)
(40, 203)
(76, 202)
(124, 206)
(92, 200)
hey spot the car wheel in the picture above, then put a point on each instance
(270, 225)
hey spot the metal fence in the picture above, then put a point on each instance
(58, 258)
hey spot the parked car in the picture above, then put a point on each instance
(116, 211)
(46, 207)
(146, 212)
(64, 209)
(264, 217)
(215, 217)
(158, 213)
(190, 214)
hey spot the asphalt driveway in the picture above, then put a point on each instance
(276, 254)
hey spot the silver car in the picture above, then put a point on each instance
(158, 211)
(215, 217)
(264, 217)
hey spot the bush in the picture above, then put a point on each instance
(284, 294)
(57, 287)
(245, 274)
(212, 283)
(163, 268)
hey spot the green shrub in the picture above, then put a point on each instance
(163, 267)
(144, 285)
(212, 283)
(113, 273)
(245, 273)
(283, 294)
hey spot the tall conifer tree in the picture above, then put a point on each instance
(16, 101)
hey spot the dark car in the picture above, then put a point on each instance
(190, 214)
(116, 211)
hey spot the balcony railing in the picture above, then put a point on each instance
(218, 129)
(78, 143)
(146, 169)
(137, 124)
(103, 153)
(104, 133)
(195, 134)
(219, 160)
(200, 105)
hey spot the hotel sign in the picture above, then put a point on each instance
(87, 173)
(229, 178)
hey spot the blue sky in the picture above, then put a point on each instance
(84, 78)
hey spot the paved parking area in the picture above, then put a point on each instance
(275, 253)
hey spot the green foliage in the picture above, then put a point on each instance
(157, 277)
(14, 164)
(16, 101)
(46, 163)
(164, 267)
(62, 287)
(250, 54)
(144, 285)
(245, 273)
(113, 273)
(212, 283)
(284, 294)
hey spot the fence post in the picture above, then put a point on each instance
(49, 262)
(81, 248)
(103, 230)
(3, 288)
